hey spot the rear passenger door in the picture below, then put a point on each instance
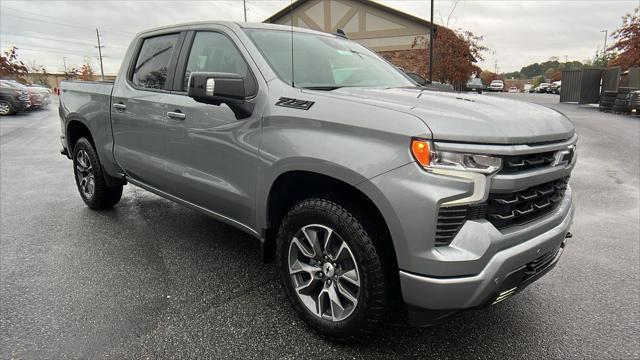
(138, 113)
(212, 155)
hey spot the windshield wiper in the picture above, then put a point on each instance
(324, 88)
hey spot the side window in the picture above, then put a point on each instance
(153, 60)
(214, 52)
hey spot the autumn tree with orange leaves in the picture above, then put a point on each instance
(11, 67)
(455, 54)
(627, 43)
(86, 72)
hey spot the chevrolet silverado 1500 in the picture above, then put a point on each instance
(366, 187)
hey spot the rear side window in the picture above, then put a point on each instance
(214, 52)
(153, 60)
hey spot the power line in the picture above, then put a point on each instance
(40, 16)
(51, 51)
(59, 39)
(39, 46)
(44, 38)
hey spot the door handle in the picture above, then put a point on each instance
(120, 106)
(177, 115)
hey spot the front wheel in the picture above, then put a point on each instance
(331, 271)
(90, 178)
(6, 108)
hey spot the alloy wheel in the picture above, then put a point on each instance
(85, 174)
(5, 109)
(324, 272)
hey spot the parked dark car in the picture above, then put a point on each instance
(634, 101)
(39, 97)
(543, 88)
(475, 84)
(12, 99)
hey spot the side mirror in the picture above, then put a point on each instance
(220, 88)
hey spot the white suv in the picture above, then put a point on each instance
(496, 85)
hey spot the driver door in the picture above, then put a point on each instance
(213, 157)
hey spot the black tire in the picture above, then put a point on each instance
(368, 315)
(102, 196)
(621, 109)
(6, 108)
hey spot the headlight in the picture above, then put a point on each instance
(423, 151)
(474, 167)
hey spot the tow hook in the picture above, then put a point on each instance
(568, 235)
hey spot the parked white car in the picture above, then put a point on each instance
(496, 85)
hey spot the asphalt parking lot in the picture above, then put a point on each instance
(152, 279)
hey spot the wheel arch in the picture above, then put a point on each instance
(75, 130)
(292, 186)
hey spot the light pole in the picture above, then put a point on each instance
(431, 33)
(604, 49)
(244, 4)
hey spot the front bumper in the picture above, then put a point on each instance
(481, 260)
(21, 105)
(457, 293)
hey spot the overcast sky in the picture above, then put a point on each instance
(517, 32)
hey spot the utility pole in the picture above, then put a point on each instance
(100, 54)
(496, 68)
(64, 61)
(565, 59)
(244, 3)
(431, 35)
(604, 49)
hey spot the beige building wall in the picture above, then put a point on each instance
(362, 21)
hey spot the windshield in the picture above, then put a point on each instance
(325, 62)
(474, 81)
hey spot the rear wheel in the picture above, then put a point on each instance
(331, 271)
(5, 108)
(90, 178)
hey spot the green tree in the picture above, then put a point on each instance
(602, 60)
(537, 81)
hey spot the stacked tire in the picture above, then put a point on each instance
(607, 100)
(621, 103)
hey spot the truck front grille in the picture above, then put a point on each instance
(502, 209)
(513, 164)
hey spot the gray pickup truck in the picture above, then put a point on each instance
(372, 193)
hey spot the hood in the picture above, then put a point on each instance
(469, 117)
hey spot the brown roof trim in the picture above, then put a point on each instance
(382, 7)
